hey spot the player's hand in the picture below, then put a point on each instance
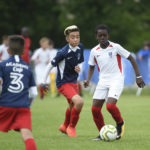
(140, 82)
(77, 69)
(44, 87)
(86, 83)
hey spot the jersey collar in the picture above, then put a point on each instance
(74, 49)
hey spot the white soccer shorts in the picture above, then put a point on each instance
(109, 89)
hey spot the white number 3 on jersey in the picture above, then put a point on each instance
(16, 85)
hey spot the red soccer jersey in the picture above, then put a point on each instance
(27, 45)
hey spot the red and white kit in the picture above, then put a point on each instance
(108, 61)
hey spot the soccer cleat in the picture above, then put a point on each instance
(62, 128)
(71, 132)
(120, 130)
(97, 138)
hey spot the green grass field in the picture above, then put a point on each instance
(48, 114)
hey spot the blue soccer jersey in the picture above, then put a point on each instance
(17, 78)
(66, 60)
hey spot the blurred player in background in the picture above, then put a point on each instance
(107, 56)
(41, 59)
(4, 48)
(25, 35)
(145, 51)
(67, 61)
(52, 54)
(18, 90)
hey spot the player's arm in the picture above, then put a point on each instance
(126, 54)
(32, 94)
(49, 67)
(89, 75)
(139, 79)
(78, 68)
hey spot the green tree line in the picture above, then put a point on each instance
(128, 20)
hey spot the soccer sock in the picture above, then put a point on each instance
(53, 84)
(114, 111)
(74, 117)
(67, 117)
(30, 144)
(98, 117)
(41, 92)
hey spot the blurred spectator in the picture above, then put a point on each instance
(41, 59)
(144, 51)
(52, 54)
(25, 35)
(3, 48)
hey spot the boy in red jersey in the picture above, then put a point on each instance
(107, 56)
(67, 61)
(18, 90)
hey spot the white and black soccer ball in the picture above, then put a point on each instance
(108, 133)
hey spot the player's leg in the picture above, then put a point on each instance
(70, 91)
(64, 126)
(115, 112)
(97, 114)
(113, 95)
(28, 139)
(98, 100)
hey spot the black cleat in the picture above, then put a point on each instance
(97, 138)
(120, 130)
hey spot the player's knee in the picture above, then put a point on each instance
(26, 134)
(110, 107)
(79, 103)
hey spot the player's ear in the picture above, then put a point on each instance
(67, 39)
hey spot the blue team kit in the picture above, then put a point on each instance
(17, 78)
(66, 60)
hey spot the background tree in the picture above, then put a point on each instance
(128, 20)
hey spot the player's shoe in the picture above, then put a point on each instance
(63, 129)
(97, 138)
(120, 130)
(71, 132)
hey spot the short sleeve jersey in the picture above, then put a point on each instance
(42, 55)
(66, 59)
(17, 78)
(108, 60)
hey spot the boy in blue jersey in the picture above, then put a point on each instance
(18, 90)
(67, 62)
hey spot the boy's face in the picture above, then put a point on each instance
(44, 45)
(6, 42)
(102, 36)
(73, 38)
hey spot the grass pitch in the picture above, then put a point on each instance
(48, 115)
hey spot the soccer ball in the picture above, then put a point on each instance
(108, 133)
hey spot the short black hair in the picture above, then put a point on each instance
(102, 27)
(16, 44)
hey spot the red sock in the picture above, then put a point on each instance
(41, 92)
(98, 117)
(30, 144)
(74, 117)
(113, 109)
(67, 117)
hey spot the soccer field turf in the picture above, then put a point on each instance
(48, 115)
